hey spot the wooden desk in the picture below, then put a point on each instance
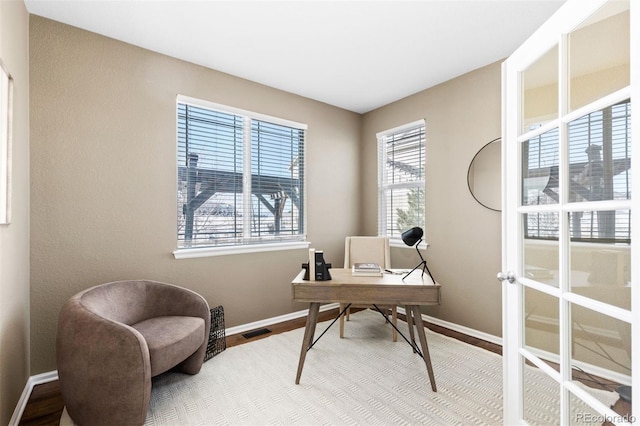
(388, 289)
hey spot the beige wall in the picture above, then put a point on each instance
(14, 238)
(104, 178)
(461, 115)
(103, 182)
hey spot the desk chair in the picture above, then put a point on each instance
(368, 250)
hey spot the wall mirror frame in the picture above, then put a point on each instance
(484, 176)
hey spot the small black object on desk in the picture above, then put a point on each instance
(321, 268)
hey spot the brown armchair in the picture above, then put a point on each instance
(114, 337)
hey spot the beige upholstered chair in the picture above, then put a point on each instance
(365, 250)
(114, 337)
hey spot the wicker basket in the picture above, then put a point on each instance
(217, 342)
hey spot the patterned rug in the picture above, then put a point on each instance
(364, 378)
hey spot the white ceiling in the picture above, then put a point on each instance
(357, 55)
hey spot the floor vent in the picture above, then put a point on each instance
(256, 333)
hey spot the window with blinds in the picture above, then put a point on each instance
(240, 177)
(599, 156)
(401, 182)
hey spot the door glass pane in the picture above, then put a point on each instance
(540, 91)
(600, 344)
(599, 55)
(583, 415)
(600, 255)
(541, 397)
(540, 159)
(541, 332)
(600, 155)
(540, 247)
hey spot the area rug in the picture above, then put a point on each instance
(364, 378)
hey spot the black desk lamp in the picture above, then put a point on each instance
(412, 237)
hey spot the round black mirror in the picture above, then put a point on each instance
(484, 176)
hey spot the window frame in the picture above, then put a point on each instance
(383, 185)
(298, 242)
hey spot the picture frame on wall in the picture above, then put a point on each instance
(6, 120)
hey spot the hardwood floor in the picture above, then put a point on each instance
(45, 404)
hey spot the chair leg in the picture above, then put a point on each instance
(394, 321)
(341, 320)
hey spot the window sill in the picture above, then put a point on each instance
(393, 242)
(193, 253)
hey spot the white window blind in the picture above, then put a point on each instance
(240, 178)
(401, 182)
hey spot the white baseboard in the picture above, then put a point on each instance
(53, 375)
(300, 314)
(38, 379)
(461, 329)
(275, 320)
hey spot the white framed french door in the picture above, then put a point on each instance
(570, 261)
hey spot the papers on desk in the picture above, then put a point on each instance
(366, 270)
(397, 271)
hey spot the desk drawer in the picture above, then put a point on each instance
(365, 294)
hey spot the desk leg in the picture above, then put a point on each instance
(417, 315)
(409, 315)
(309, 331)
